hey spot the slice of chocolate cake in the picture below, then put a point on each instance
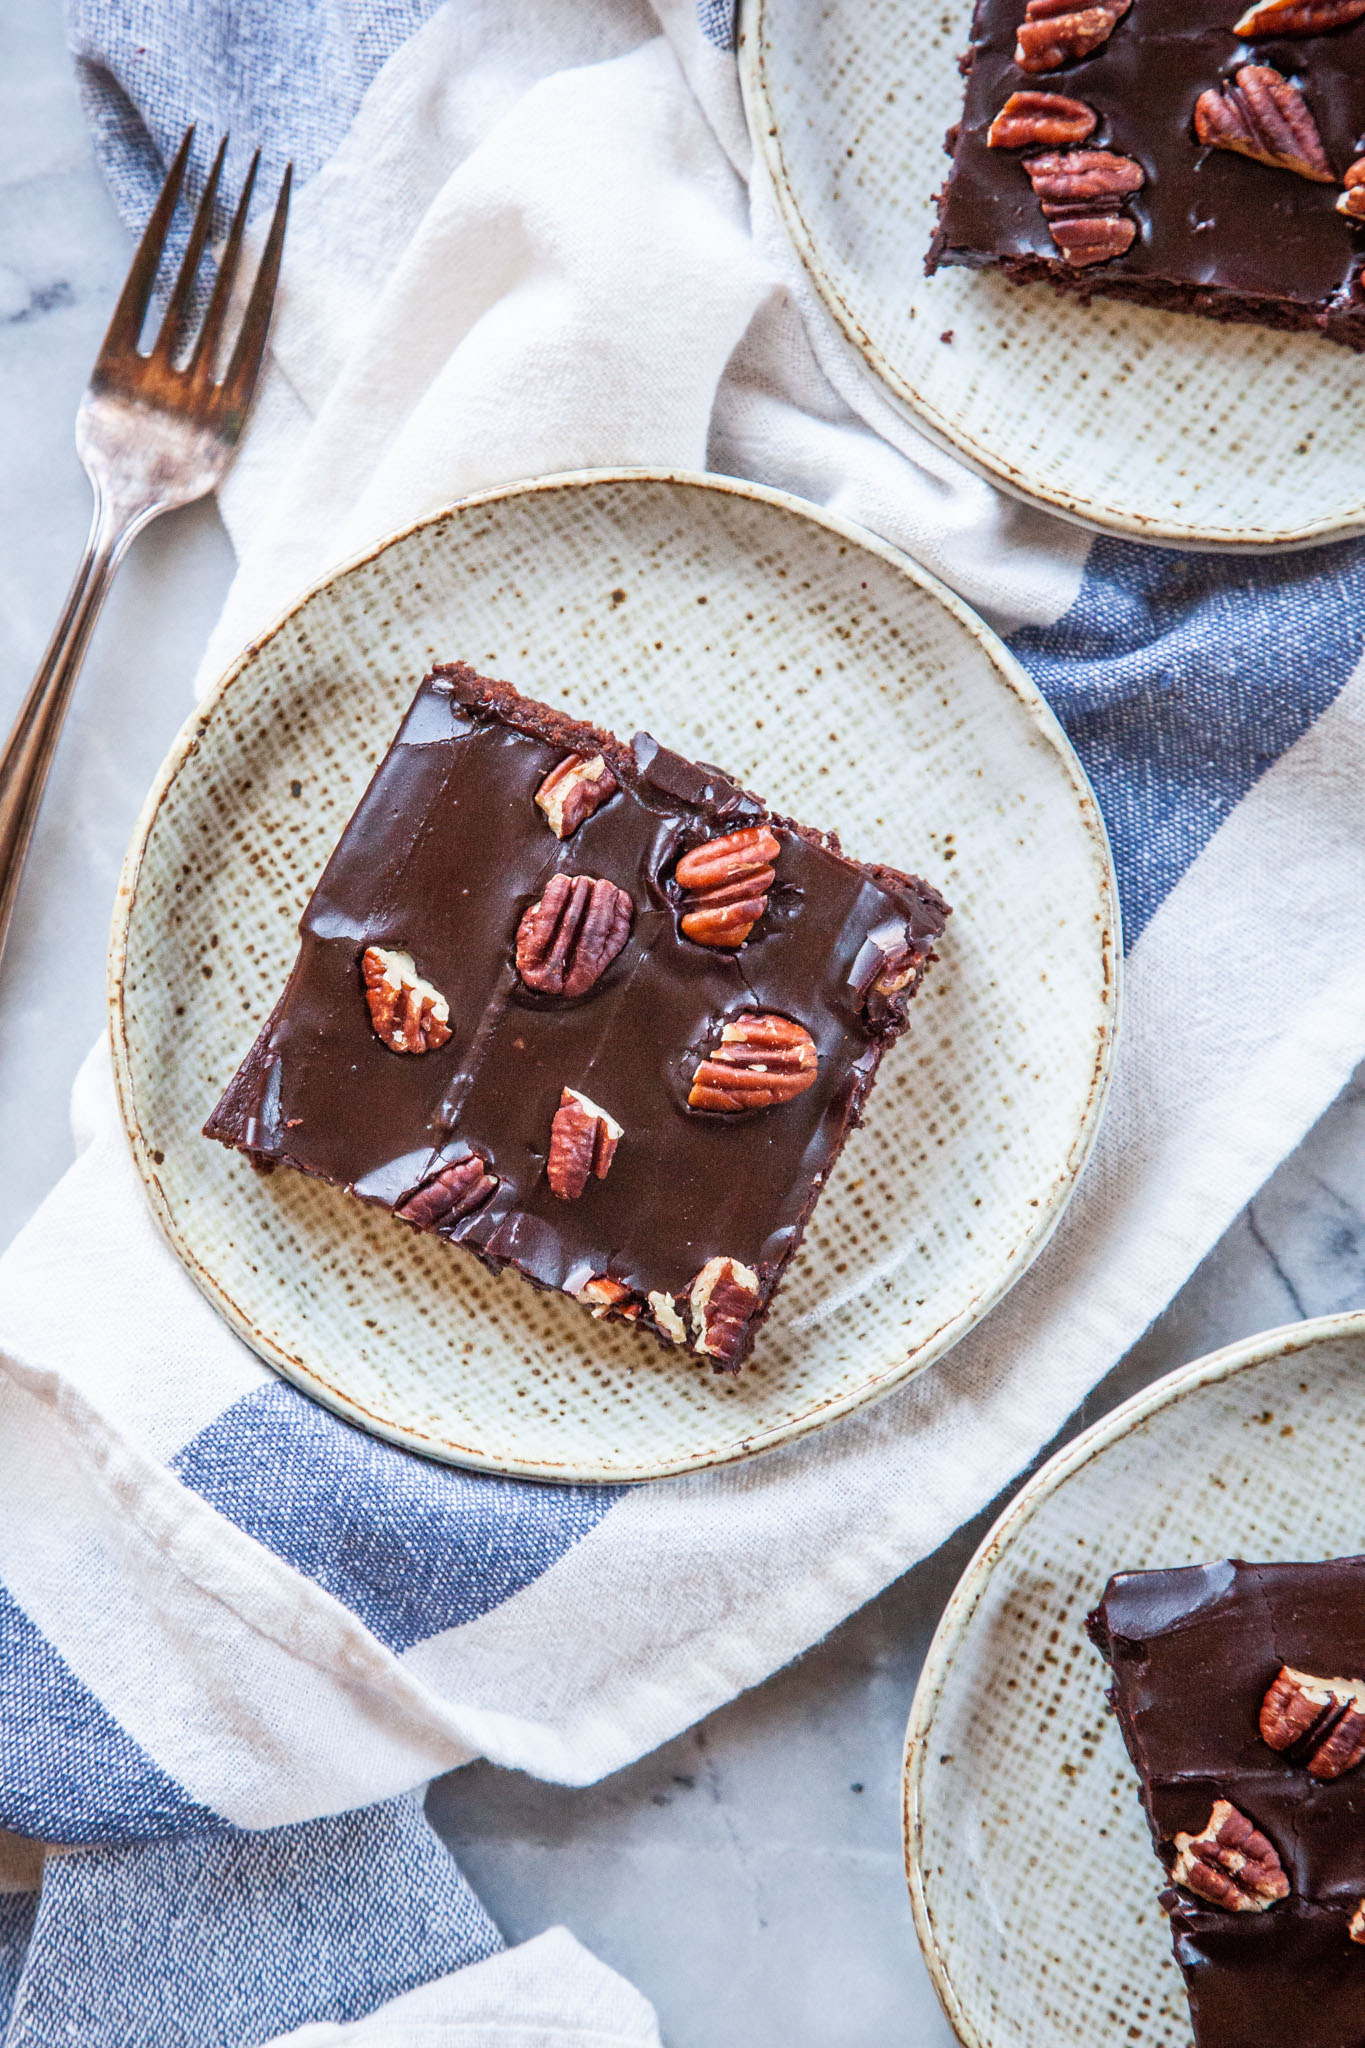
(588, 1010)
(1189, 154)
(1240, 1691)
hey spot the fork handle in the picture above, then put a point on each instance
(27, 753)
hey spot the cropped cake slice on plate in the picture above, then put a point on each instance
(1240, 1691)
(589, 1010)
(1188, 154)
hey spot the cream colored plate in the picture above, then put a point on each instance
(841, 683)
(1031, 1871)
(1154, 424)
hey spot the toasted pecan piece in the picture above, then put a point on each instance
(583, 1141)
(1083, 181)
(1230, 1863)
(1057, 32)
(1083, 242)
(457, 1190)
(574, 788)
(407, 1013)
(605, 1295)
(725, 883)
(664, 1309)
(761, 1061)
(1297, 17)
(1263, 115)
(1082, 193)
(568, 940)
(1046, 120)
(1321, 1720)
(1352, 200)
(722, 1301)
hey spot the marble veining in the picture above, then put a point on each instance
(747, 1876)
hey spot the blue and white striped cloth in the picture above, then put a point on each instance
(376, 1909)
(524, 243)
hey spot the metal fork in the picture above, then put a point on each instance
(152, 432)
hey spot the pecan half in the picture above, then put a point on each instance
(574, 788)
(1322, 1719)
(1297, 17)
(606, 1294)
(1084, 242)
(1054, 32)
(726, 881)
(1082, 192)
(664, 1310)
(722, 1300)
(1264, 116)
(1043, 120)
(1356, 1930)
(568, 940)
(457, 1190)
(761, 1061)
(1352, 200)
(583, 1141)
(1081, 181)
(1230, 1863)
(407, 1013)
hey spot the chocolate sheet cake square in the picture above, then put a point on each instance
(1180, 153)
(1240, 1691)
(588, 1010)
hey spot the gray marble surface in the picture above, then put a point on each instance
(748, 1876)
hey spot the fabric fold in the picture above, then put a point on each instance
(548, 1993)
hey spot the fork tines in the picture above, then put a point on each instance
(155, 375)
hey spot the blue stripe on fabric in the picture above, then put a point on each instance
(227, 1942)
(717, 18)
(17, 1910)
(68, 1771)
(287, 77)
(410, 1547)
(1181, 678)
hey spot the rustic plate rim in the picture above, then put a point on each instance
(1247, 1354)
(296, 1370)
(752, 45)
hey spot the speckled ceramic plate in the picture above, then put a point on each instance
(840, 682)
(1031, 1870)
(1155, 424)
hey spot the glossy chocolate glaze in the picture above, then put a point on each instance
(1193, 1653)
(443, 855)
(1264, 1980)
(1217, 233)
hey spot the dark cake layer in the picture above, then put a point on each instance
(1217, 233)
(1194, 1653)
(440, 863)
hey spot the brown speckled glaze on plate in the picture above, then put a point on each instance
(1026, 1846)
(1155, 424)
(819, 666)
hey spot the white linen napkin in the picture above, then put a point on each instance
(549, 1993)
